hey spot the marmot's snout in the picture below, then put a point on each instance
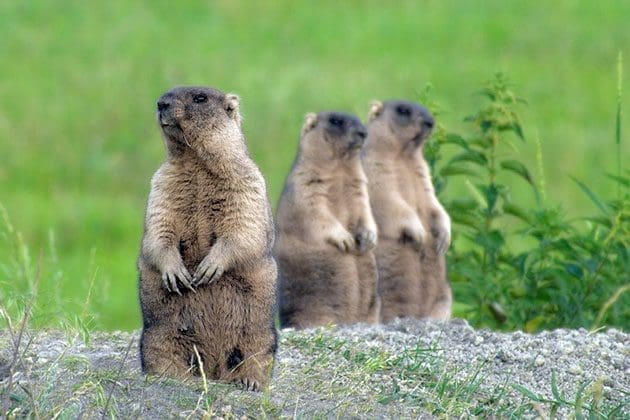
(165, 110)
(359, 134)
(425, 119)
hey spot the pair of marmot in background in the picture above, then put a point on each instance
(348, 183)
(207, 274)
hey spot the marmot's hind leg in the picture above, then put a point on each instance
(160, 354)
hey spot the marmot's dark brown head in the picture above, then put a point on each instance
(194, 116)
(408, 122)
(332, 135)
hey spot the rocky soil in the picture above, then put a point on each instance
(405, 369)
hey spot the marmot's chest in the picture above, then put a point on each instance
(346, 195)
(201, 196)
(410, 186)
(203, 205)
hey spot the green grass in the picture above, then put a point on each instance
(79, 80)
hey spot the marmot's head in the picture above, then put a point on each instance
(408, 123)
(332, 135)
(197, 116)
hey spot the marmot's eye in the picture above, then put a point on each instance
(338, 122)
(403, 110)
(199, 98)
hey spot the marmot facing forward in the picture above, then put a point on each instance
(414, 229)
(207, 276)
(325, 229)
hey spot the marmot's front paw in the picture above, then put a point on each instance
(209, 269)
(414, 232)
(441, 231)
(342, 239)
(172, 274)
(365, 240)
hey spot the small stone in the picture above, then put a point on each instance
(478, 340)
(575, 370)
(502, 356)
(539, 361)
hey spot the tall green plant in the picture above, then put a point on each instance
(573, 273)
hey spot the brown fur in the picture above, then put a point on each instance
(207, 276)
(414, 228)
(325, 229)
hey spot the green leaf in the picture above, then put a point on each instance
(533, 324)
(470, 156)
(518, 168)
(516, 211)
(526, 392)
(620, 179)
(456, 139)
(491, 193)
(592, 196)
(462, 205)
(455, 169)
(518, 130)
(465, 220)
(600, 220)
(554, 387)
(575, 270)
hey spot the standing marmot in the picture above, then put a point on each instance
(325, 228)
(207, 276)
(411, 264)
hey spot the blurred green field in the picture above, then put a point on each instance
(79, 81)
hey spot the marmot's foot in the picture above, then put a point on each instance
(441, 231)
(365, 240)
(342, 239)
(248, 384)
(414, 233)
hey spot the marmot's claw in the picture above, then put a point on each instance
(207, 273)
(170, 283)
(248, 384)
(442, 239)
(170, 277)
(441, 246)
(185, 278)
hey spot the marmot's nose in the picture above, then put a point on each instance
(362, 133)
(163, 106)
(428, 123)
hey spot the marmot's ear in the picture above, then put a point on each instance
(310, 120)
(231, 103)
(376, 109)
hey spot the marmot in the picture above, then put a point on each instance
(325, 229)
(207, 274)
(414, 229)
